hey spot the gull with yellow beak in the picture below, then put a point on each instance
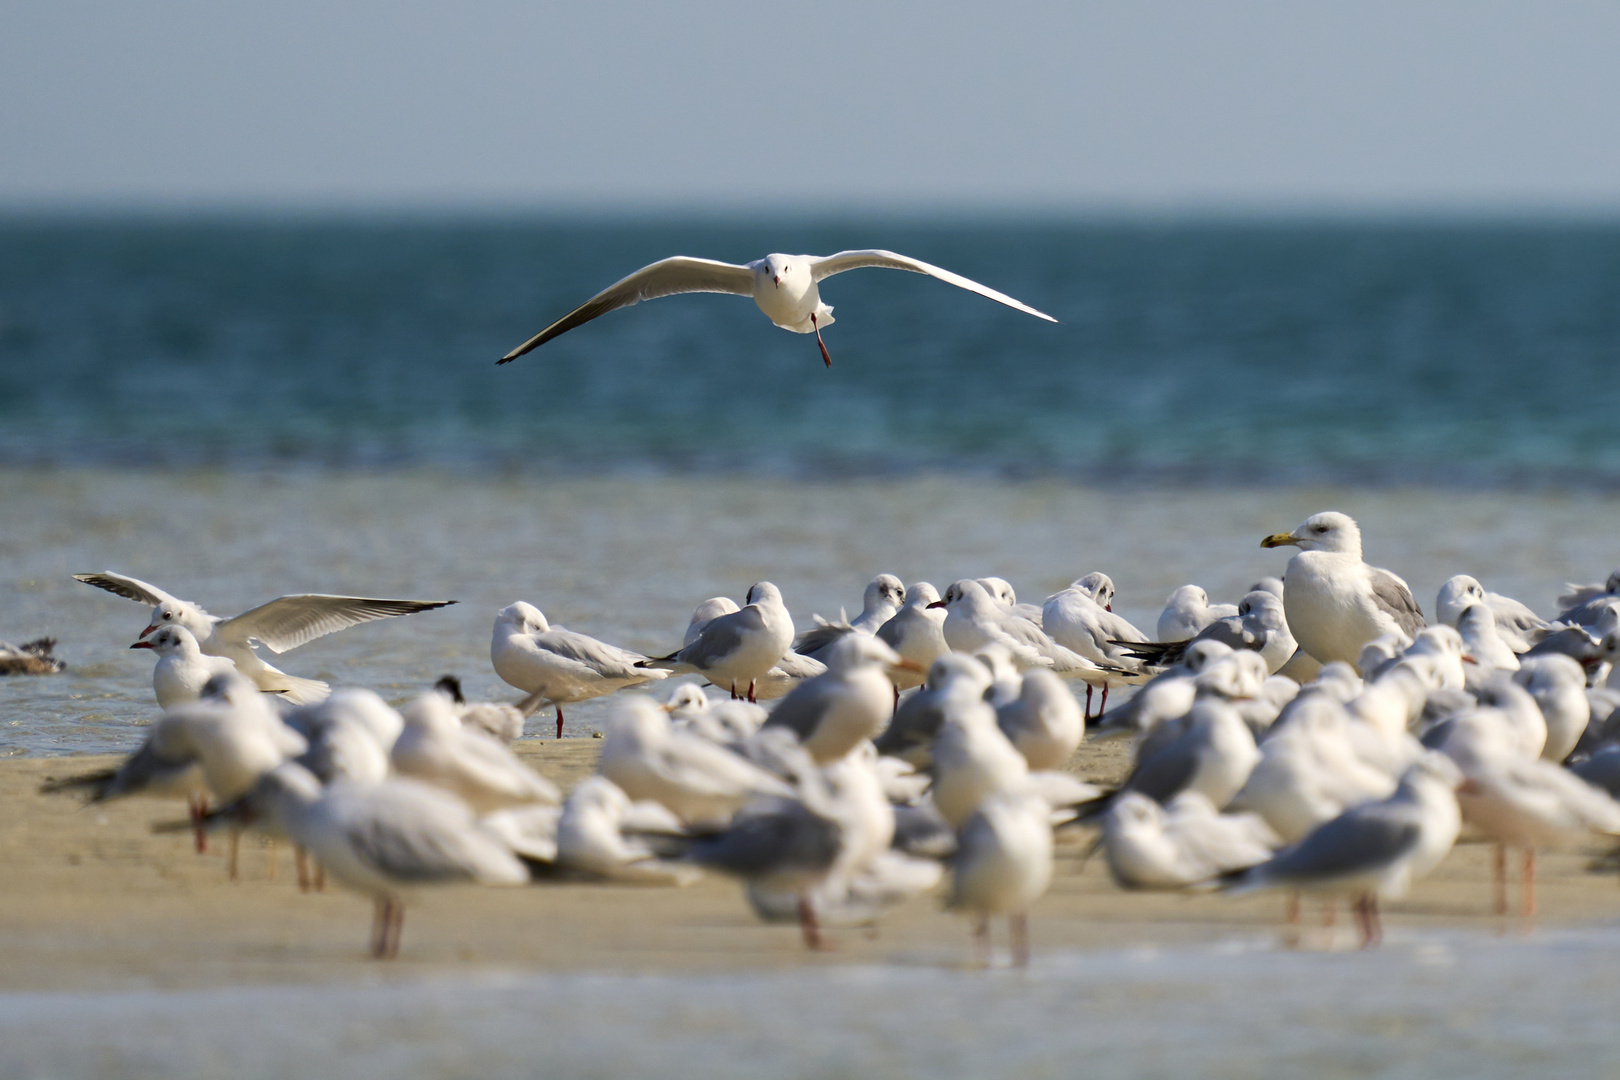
(784, 286)
(1336, 603)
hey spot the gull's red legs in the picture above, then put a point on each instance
(826, 359)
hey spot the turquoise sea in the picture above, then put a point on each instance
(1395, 352)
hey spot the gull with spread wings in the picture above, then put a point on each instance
(784, 286)
(282, 624)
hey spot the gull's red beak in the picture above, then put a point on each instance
(142, 644)
(148, 630)
(777, 279)
(938, 603)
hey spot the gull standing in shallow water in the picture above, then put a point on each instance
(279, 625)
(558, 664)
(784, 286)
(1335, 602)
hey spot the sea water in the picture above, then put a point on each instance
(233, 409)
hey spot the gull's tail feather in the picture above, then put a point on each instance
(96, 781)
(298, 691)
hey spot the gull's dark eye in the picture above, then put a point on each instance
(1321, 528)
(167, 615)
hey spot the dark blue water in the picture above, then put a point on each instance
(1475, 354)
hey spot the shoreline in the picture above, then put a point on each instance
(93, 901)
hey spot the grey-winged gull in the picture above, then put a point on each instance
(1335, 602)
(735, 650)
(560, 665)
(279, 625)
(1374, 850)
(785, 287)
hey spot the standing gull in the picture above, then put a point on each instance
(974, 620)
(1259, 626)
(1335, 602)
(1374, 850)
(279, 625)
(386, 840)
(736, 650)
(560, 665)
(784, 287)
(1583, 604)
(1002, 865)
(1081, 618)
(917, 633)
(1520, 627)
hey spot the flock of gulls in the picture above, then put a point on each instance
(1318, 737)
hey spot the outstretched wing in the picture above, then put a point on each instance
(129, 588)
(289, 621)
(667, 277)
(829, 265)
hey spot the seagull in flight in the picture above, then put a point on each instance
(784, 286)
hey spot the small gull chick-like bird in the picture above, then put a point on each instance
(558, 664)
(279, 625)
(784, 286)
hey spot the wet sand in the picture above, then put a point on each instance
(92, 899)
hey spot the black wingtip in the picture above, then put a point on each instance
(505, 360)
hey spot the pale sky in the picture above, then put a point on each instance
(1293, 105)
